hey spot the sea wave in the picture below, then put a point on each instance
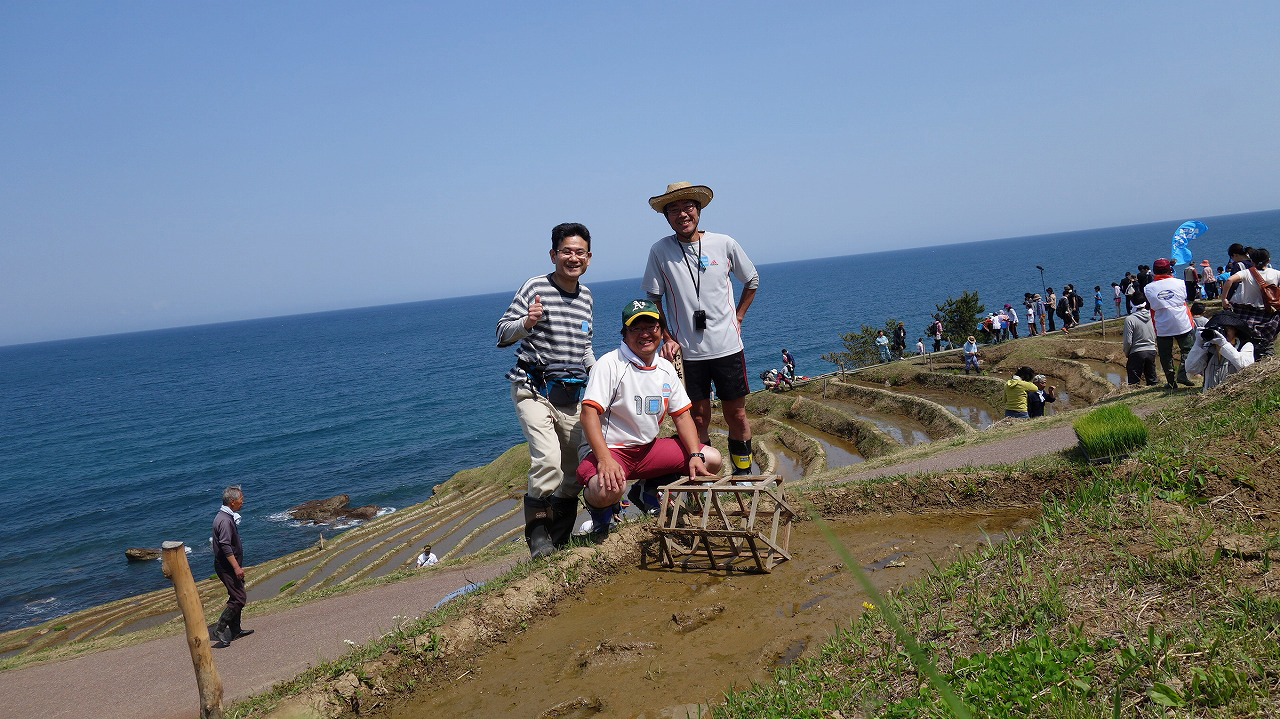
(40, 609)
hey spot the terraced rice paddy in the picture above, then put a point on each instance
(826, 423)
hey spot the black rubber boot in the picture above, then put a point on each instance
(238, 631)
(740, 455)
(221, 632)
(537, 532)
(563, 514)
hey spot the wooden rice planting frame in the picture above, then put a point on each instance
(727, 523)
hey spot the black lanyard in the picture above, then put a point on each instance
(695, 279)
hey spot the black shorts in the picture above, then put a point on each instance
(729, 374)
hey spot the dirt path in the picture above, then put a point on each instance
(154, 680)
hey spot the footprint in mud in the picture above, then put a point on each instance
(889, 561)
(579, 708)
(828, 573)
(790, 609)
(777, 658)
(688, 621)
(609, 652)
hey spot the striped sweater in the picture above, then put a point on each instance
(562, 335)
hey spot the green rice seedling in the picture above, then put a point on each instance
(1110, 431)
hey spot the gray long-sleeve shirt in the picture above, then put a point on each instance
(1139, 333)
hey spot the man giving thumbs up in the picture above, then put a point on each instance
(550, 319)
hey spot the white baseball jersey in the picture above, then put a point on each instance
(633, 398)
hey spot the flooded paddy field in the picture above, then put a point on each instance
(966, 407)
(666, 643)
(904, 430)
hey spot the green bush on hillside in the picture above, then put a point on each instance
(1110, 431)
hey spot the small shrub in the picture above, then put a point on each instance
(1110, 431)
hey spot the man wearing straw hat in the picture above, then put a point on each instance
(692, 269)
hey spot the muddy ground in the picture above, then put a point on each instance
(662, 643)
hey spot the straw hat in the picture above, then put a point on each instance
(677, 191)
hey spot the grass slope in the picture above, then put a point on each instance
(1147, 591)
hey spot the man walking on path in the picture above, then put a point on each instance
(692, 270)
(228, 564)
(1167, 298)
(550, 317)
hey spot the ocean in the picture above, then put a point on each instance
(127, 440)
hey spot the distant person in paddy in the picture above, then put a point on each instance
(550, 319)
(788, 363)
(1046, 394)
(428, 557)
(691, 270)
(971, 355)
(632, 389)
(1015, 393)
(228, 564)
(1167, 297)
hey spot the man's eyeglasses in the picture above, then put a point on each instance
(645, 329)
(567, 252)
(677, 210)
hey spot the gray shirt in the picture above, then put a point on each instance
(696, 275)
(226, 540)
(1139, 333)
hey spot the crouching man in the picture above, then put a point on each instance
(631, 390)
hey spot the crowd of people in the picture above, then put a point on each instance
(1164, 311)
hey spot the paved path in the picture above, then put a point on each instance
(154, 680)
(1010, 450)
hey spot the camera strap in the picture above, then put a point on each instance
(696, 279)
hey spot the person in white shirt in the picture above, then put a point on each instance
(427, 558)
(691, 273)
(1222, 348)
(631, 390)
(1167, 298)
(1248, 303)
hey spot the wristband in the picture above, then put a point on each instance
(699, 455)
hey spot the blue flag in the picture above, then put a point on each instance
(1182, 237)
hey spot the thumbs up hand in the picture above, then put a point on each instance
(535, 312)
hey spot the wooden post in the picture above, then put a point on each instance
(175, 568)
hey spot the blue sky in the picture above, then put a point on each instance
(167, 164)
